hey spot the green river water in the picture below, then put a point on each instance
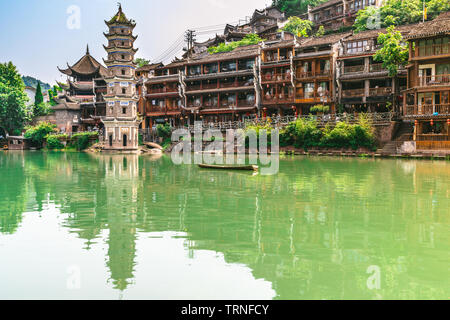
(80, 226)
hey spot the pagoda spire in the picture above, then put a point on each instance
(87, 49)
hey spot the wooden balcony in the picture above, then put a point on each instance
(436, 80)
(354, 69)
(432, 137)
(276, 77)
(378, 67)
(384, 91)
(353, 93)
(427, 110)
(278, 99)
(433, 50)
(162, 90)
(312, 74)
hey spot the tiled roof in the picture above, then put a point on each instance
(329, 39)
(326, 4)
(238, 53)
(280, 44)
(370, 34)
(87, 65)
(439, 26)
(149, 67)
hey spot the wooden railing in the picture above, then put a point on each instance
(376, 67)
(162, 90)
(428, 109)
(354, 69)
(436, 80)
(278, 99)
(353, 93)
(384, 91)
(311, 74)
(432, 137)
(434, 50)
(276, 77)
(280, 122)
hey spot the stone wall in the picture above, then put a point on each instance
(385, 133)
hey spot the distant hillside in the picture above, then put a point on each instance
(33, 82)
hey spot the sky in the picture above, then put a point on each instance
(40, 35)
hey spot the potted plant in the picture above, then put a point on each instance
(320, 109)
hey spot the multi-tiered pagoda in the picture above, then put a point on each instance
(121, 121)
(81, 105)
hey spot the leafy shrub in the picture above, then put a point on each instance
(54, 142)
(320, 108)
(81, 140)
(304, 133)
(164, 131)
(38, 133)
(249, 39)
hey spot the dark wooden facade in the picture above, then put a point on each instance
(427, 98)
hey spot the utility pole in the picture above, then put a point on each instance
(190, 39)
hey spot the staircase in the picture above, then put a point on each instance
(404, 133)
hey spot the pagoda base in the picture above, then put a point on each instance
(121, 136)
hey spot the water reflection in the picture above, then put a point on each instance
(312, 231)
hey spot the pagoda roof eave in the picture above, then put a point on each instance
(67, 71)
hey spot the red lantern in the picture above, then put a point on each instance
(432, 122)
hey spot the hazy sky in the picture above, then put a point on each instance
(37, 36)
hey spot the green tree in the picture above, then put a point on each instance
(299, 27)
(393, 53)
(368, 18)
(13, 110)
(39, 105)
(295, 7)
(140, 62)
(38, 134)
(320, 32)
(398, 12)
(38, 98)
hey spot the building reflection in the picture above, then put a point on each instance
(312, 231)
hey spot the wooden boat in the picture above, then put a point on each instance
(224, 167)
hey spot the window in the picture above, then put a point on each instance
(123, 57)
(356, 46)
(123, 71)
(124, 91)
(194, 70)
(124, 110)
(309, 90)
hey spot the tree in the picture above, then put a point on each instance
(39, 105)
(393, 53)
(13, 110)
(299, 27)
(295, 7)
(140, 62)
(398, 12)
(368, 18)
(320, 32)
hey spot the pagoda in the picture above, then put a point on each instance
(83, 93)
(121, 121)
